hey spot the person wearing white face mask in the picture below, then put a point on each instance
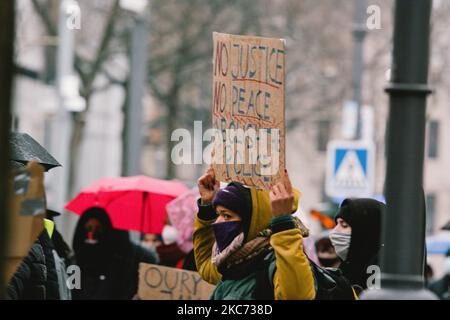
(169, 235)
(442, 286)
(356, 238)
(169, 252)
(150, 241)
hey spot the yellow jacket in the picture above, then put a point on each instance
(293, 278)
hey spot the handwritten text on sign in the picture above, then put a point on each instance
(248, 109)
(163, 283)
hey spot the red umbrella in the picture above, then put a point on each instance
(133, 203)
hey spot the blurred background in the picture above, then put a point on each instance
(128, 73)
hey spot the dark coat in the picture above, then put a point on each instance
(110, 270)
(364, 216)
(118, 281)
(36, 277)
(51, 285)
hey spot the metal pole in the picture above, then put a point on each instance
(62, 124)
(132, 147)
(403, 223)
(7, 17)
(359, 33)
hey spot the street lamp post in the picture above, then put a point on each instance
(132, 142)
(403, 222)
(68, 101)
(359, 33)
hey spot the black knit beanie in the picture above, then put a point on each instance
(236, 198)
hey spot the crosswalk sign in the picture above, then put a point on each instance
(350, 169)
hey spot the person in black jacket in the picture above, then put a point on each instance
(28, 282)
(356, 238)
(36, 278)
(108, 260)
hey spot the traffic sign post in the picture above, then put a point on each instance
(350, 169)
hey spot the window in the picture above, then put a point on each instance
(431, 210)
(323, 135)
(433, 139)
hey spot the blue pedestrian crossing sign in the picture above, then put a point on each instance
(350, 169)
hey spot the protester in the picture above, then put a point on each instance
(151, 241)
(62, 255)
(356, 238)
(36, 278)
(235, 248)
(108, 260)
(170, 254)
(441, 287)
(61, 247)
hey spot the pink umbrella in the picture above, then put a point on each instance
(133, 203)
(181, 212)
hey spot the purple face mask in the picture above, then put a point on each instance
(225, 232)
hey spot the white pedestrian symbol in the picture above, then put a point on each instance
(350, 173)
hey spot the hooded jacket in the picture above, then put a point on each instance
(109, 271)
(364, 217)
(292, 279)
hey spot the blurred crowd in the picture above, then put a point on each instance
(249, 243)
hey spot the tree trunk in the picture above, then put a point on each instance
(79, 123)
(125, 132)
(172, 108)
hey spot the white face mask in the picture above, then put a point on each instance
(341, 243)
(169, 235)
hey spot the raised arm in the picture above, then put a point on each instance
(203, 237)
(293, 278)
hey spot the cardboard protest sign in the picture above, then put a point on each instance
(163, 283)
(26, 214)
(248, 109)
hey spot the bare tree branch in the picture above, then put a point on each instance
(45, 17)
(102, 53)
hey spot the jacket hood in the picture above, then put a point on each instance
(94, 212)
(364, 217)
(113, 241)
(262, 211)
